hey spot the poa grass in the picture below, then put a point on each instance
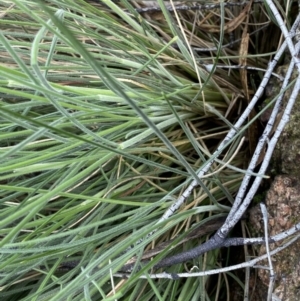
(106, 115)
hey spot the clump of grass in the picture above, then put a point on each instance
(106, 115)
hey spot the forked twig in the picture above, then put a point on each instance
(250, 263)
(242, 202)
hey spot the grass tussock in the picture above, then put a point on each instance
(106, 115)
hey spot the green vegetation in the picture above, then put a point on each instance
(106, 116)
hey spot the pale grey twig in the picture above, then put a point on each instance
(232, 217)
(239, 207)
(207, 6)
(209, 68)
(250, 263)
(247, 270)
(271, 146)
(265, 219)
(275, 298)
(287, 36)
(205, 247)
(227, 139)
(218, 240)
(260, 240)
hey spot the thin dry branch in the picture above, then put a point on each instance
(242, 202)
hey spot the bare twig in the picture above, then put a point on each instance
(207, 6)
(250, 263)
(209, 67)
(197, 251)
(242, 202)
(265, 219)
(239, 207)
